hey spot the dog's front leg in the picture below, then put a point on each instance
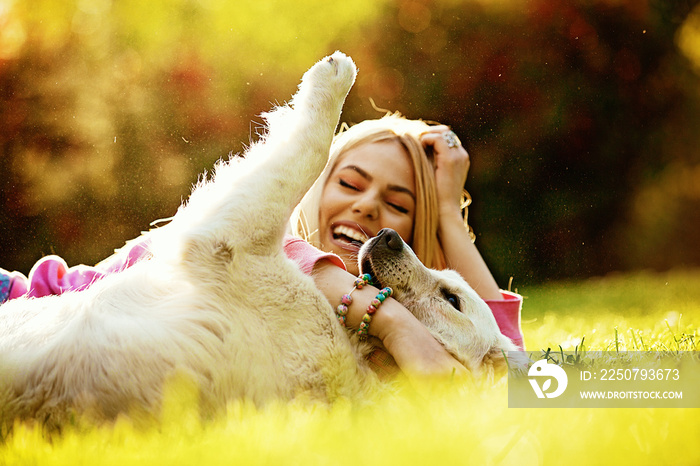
(248, 202)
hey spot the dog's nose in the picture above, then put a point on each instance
(392, 239)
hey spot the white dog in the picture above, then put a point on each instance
(219, 300)
(453, 312)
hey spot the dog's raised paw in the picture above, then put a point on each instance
(336, 71)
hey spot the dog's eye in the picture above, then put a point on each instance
(452, 299)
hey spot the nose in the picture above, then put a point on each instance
(391, 238)
(367, 206)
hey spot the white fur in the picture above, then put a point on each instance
(218, 300)
(469, 333)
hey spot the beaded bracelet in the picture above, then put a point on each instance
(342, 310)
(363, 330)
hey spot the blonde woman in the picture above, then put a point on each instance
(409, 176)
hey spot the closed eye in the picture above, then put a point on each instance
(345, 184)
(452, 298)
(403, 210)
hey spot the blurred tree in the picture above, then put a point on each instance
(581, 117)
(109, 111)
(568, 108)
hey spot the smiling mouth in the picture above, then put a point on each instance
(349, 235)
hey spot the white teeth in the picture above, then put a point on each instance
(350, 233)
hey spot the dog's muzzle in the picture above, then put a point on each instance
(386, 243)
(391, 239)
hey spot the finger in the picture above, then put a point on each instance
(433, 133)
(451, 139)
(437, 129)
(433, 138)
(441, 145)
(430, 139)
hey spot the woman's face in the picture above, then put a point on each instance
(371, 187)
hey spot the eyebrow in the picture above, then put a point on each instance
(368, 177)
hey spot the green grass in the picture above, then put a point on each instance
(634, 312)
(445, 425)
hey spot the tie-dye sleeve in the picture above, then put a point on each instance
(52, 276)
(12, 285)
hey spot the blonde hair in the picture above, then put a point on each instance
(392, 127)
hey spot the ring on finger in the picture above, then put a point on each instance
(451, 139)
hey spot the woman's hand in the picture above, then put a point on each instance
(451, 167)
(414, 349)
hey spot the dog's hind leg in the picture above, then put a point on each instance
(248, 202)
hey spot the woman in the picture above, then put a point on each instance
(408, 176)
(402, 174)
(390, 172)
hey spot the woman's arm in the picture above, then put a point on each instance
(414, 349)
(451, 168)
(463, 256)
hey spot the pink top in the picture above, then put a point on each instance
(51, 276)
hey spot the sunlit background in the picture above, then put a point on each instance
(582, 117)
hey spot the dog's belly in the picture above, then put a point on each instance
(111, 347)
(102, 350)
(283, 340)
